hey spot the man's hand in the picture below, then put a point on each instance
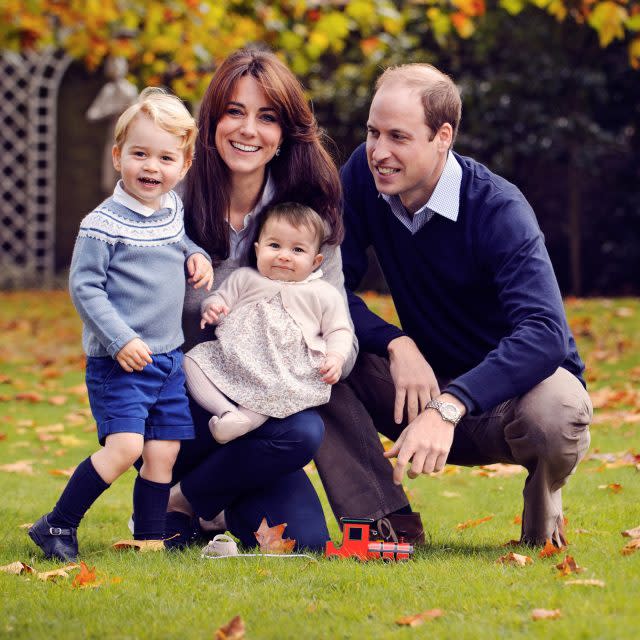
(212, 313)
(413, 378)
(425, 443)
(200, 271)
(134, 356)
(331, 368)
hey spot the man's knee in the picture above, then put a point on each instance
(552, 423)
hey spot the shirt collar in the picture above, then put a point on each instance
(445, 199)
(167, 201)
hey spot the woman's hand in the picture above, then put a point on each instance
(212, 313)
(134, 356)
(200, 271)
(331, 368)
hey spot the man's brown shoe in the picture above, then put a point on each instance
(401, 527)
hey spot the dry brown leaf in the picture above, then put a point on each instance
(586, 583)
(549, 550)
(3, 436)
(67, 473)
(270, 539)
(58, 400)
(568, 566)
(16, 568)
(614, 487)
(86, 577)
(632, 533)
(140, 545)
(78, 390)
(71, 440)
(63, 572)
(472, 523)
(29, 396)
(233, 630)
(420, 618)
(50, 428)
(26, 525)
(498, 470)
(546, 614)
(631, 547)
(515, 558)
(21, 466)
(517, 519)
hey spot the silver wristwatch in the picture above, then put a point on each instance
(447, 410)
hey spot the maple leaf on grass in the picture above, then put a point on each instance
(515, 558)
(419, 618)
(568, 566)
(631, 547)
(86, 577)
(140, 545)
(632, 533)
(21, 466)
(233, 630)
(472, 523)
(63, 572)
(17, 568)
(550, 550)
(270, 539)
(546, 614)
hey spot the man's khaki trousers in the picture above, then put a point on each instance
(546, 431)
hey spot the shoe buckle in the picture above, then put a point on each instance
(57, 531)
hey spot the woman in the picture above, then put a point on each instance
(258, 144)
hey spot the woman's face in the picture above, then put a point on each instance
(249, 131)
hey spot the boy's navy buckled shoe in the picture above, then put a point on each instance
(180, 530)
(56, 542)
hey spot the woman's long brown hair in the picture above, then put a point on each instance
(303, 172)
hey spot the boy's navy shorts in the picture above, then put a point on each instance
(152, 402)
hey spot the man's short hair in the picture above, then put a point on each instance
(439, 95)
(167, 111)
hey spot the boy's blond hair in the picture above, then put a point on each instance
(167, 111)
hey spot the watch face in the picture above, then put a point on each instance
(450, 411)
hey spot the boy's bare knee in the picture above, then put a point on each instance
(123, 449)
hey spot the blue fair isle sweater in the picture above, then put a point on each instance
(127, 277)
(478, 295)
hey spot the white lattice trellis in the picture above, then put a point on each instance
(29, 85)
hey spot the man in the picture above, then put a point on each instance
(485, 369)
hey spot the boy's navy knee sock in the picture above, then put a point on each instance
(150, 501)
(84, 487)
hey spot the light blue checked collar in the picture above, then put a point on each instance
(445, 199)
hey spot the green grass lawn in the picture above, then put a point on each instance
(45, 424)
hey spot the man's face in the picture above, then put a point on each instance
(405, 157)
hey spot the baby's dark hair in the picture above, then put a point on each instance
(297, 215)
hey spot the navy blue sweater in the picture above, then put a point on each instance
(478, 295)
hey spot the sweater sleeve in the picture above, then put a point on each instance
(332, 274)
(87, 286)
(374, 334)
(511, 248)
(335, 324)
(231, 290)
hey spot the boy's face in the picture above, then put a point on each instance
(286, 252)
(150, 161)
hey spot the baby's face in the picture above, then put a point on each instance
(151, 161)
(286, 252)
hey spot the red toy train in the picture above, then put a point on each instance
(357, 543)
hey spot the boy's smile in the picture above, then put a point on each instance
(151, 161)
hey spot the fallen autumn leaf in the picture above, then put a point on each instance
(270, 538)
(586, 583)
(233, 630)
(568, 566)
(472, 523)
(419, 618)
(632, 533)
(140, 545)
(16, 568)
(549, 550)
(515, 558)
(546, 614)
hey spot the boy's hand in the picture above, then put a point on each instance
(212, 313)
(200, 271)
(134, 356)
(331, 368)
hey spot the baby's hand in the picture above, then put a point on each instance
(135, 355)
(212, 313)
(331, 368)
(201, 271)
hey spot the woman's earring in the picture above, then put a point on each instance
(277, 151)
